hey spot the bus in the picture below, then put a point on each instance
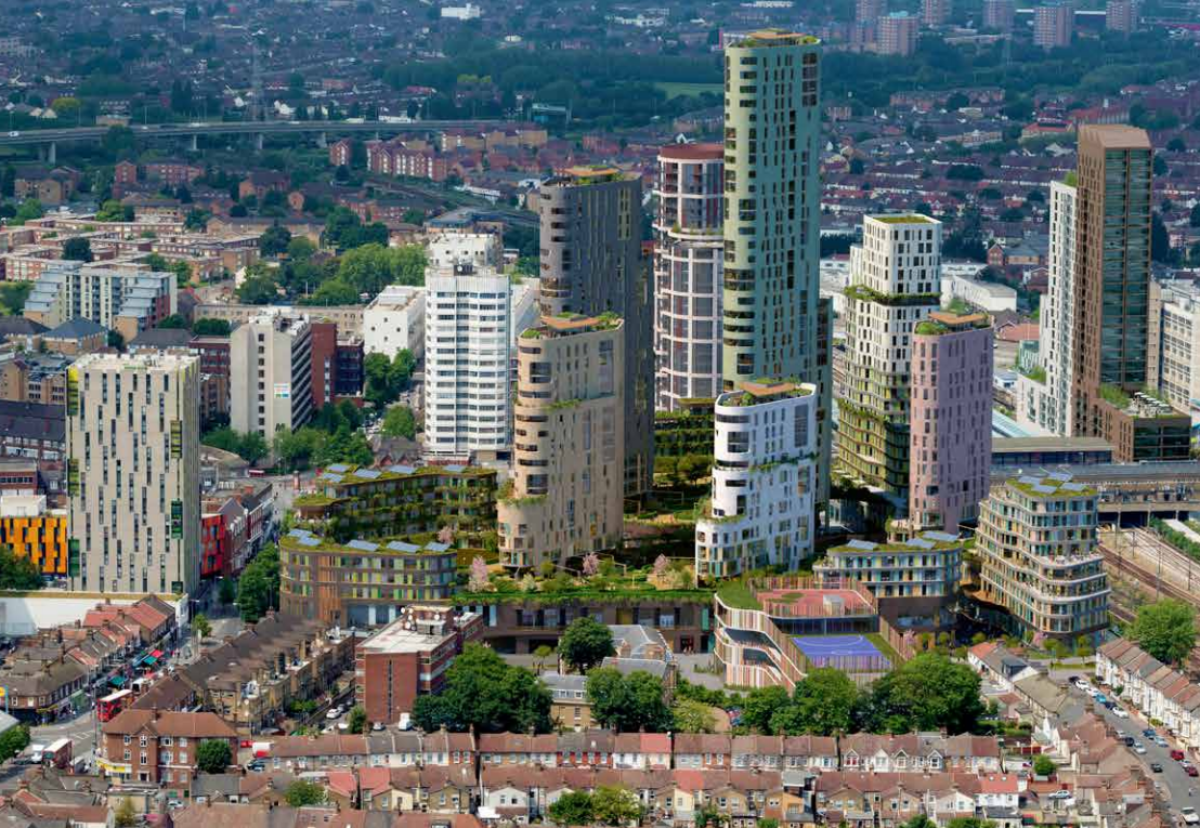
(108, 707)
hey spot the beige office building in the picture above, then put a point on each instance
(566, 493)
(270, 373)
(133, 474)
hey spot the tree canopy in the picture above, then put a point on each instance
(585, 643)
(627, 703)
(485, 692)
(213, 756)
(19, 573)
(258, 588)
(1165, 629)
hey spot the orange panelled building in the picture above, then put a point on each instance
(35, 532)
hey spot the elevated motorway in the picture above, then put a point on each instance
(45, 137)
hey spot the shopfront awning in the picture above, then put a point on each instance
(117, 681)
(157, 653)
(149, 661)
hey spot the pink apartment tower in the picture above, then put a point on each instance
(950, 439)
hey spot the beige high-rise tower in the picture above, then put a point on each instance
(133, 475)
(565, 498)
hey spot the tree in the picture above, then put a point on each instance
(693, 717)
(919, 821)
(77, 249)
(13, 741)
(1160, 165)
(196, 221)
(257, 290)
(113, 210)
(1043, 765)
(201, 625)
(929, 692)
(1165, 629)
(616, 805)
(1194, 219)
(301, 249)
(174, 322)
(477, 581)
(227, 591)
(211, 327)
(358, 719)
(485, 692)
(400, 422)
(125, 816)
(542, 654)
(628, 703)
(302, 793)
(29, 210)
(213, 756)
(585, 643)
(116, 340)
(822, 705)
(274, 241)
(572, 808)
(761, 704)
(258, 588)
(19, 573)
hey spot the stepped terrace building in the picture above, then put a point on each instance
(1040, 571)
(401, 501)
(361, 583)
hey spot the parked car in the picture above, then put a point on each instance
(1177, 755)
(333, 713)
(1149, 733)
(1060, 795)
(1120, 712)
(1156, 767)
(1191, 770)
(1160, 741)
(1139, 748)
(1083, 685)
(1190, 817)
(257, 766)
(1128, 741)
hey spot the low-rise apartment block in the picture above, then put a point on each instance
(361, 583)
(1040, 570)
(160, 747)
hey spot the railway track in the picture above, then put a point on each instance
(1120, 565)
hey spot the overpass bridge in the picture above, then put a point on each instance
(50, 138)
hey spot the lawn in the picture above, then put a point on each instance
(737, 595)
(674, 89)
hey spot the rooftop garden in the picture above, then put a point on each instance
(594, 580)
(1056, 485)
(1037, 373)
(928, 327)
(899, 547)
(1071, 179)
(866, 294)
(737, 594)
(905, 218)
(531, 333)
(1115, 396)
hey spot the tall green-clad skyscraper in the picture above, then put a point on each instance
(772, 311)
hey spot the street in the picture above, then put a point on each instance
(81, 731)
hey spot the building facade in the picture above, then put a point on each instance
(468, 410)
(1112, 300)
(950, 436)
(762, 506)
(270, 373)
(1053, 25)
(133, 477)
(999, 14)
(688, 264)
(895, 279)
(897, 34)
(36, 532)
(592, 264)
(1038, 561)
(395, 320)
(360, 583)
(127, 300)
(1121, 16)
(567, 491)
(1048, 400)
(919, 573)
(1173, 361)
(160, 747)
(935, 13)
(409, 658)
